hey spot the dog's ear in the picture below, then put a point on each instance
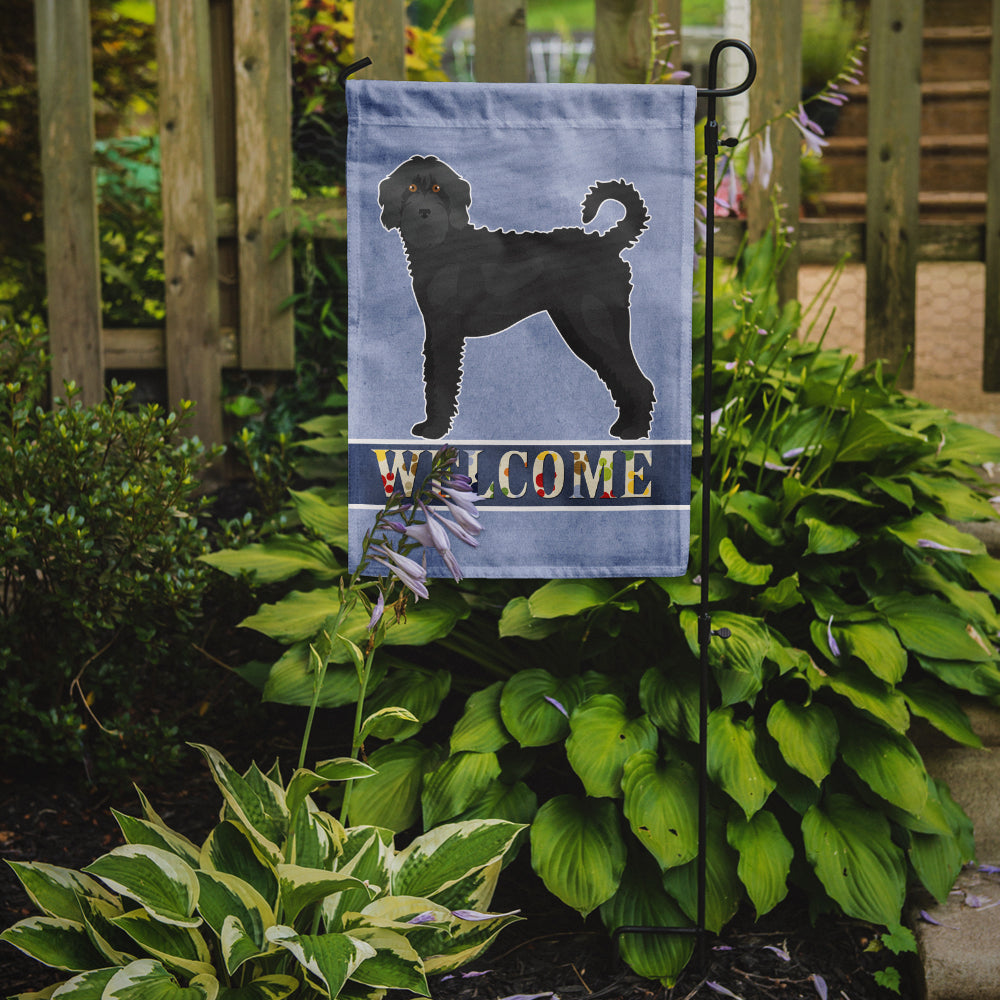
(460, 197)
(390, 197)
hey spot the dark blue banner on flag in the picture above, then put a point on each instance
(520, 273)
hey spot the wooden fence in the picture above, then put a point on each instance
(226, 160)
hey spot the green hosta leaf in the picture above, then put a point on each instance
(330, 959)
(456, 784)
(661, 798)
(226, 898)
(528, 710)
(765, 858)
(932, 628)
(957, 501)
(937, 859)
(783, 595)
(865, 692)
(732, 760)
(159, 881)
(888, 763)
(723, 889)
(641, 901)
(275, 987)
(386, 723)
(391, 798)
(869, 436)
(327, 520)
(683, 591)
(738, 661)
(291, 680)
(976, 678)
(54, 941)
(515, 803)
(578, 851)
(481, 728)
(827, 539)
(180, 948)
(301, 887)
(965, 443)
(141, 831)
(807, 736)
(602, 738)
(395, 964)
(418, 690)
(147, 979)
(438, 859)
(56, 891)
(558, 598)
(758, 511)
(986, 571)
(928, 528)
(230, 849)
(941, 709)
(976, 605)
(671, 699)
(850, 847)
(517, 620)
(279, 558)
(261, 809)
(739, 569)
(876, 646)
(893, 488)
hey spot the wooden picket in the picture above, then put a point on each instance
(226, 161)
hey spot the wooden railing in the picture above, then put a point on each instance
(226, 161)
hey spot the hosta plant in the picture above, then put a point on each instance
(279, 900)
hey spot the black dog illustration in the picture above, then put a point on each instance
(473, 282)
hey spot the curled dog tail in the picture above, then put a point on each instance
(630, 228)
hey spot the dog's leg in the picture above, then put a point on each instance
(442, 376)
(599, 335)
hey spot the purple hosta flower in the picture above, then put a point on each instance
(410, 573)
(834, 648)
(780, 952)
(439, 541)
(728, 195)
(990, 869)
(469, 524)
(558, 705)
(820, 983)
(427, 917)
(465, 975)
(927, 918)
(927, 543)
(475, 915)
(811, 132)
(761, 163)
(719, 988)
(377, 611)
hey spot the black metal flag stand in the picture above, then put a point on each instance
(705, 631)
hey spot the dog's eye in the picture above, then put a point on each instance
(436, 188)
(412, 188)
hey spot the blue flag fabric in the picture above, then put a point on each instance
(520, 261)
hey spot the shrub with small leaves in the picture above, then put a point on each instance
(99, 571)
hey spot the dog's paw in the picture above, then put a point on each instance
(628, 428)
(430, 429)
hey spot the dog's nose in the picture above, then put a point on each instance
(424, 213)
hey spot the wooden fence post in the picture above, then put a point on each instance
(622, 40)
(72, 256)
(893, 183)
(501, 37)
(991, 332)
(776, 35)
(190, 252)
(262, 60)
(380, 34)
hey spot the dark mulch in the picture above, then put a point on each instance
(551, 951)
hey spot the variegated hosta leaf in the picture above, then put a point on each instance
(329, 959)
(56, 891)
(177, 947)
(481, 727)
(149, 980)
(141, 831)
(158, 880)
(476, 890)
(642, 902)
(367, 853)
(466, 941)
(602, 737)
(273, 987)
(86, 986)
(304, 782)
(256, 801)
(230, 849)
(225, 897)
(661, 799)
(395, 964)
(116, 947)
(535, 706)
(578, 851)
(807, 736)
(456, 784)
(300, 887)
(54, 941)
(850, 847)
(732, 760)
(441, 857)
(315, 838)
(765, 858)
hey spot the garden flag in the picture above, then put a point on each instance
(520, 274)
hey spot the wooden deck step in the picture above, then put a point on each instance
(957, 206)
(945, 105)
